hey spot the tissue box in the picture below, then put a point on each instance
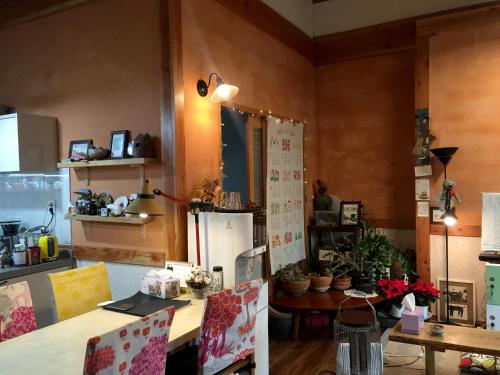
(160, 287)
(412, 321)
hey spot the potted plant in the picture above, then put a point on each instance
(199, 282)
(293, 281)
(424, 293)
(340, 266)
(393, 291)
(321, 281)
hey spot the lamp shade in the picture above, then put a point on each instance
(444, 154)
(145, 204)
(223, 92)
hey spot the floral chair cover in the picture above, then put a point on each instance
(228, 331)
(17, 315)
(138, 348)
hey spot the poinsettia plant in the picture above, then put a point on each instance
(394, 290)
(424, 292)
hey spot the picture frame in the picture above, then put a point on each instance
(435, 216)
(350, 213)
(118, 142)
(462, 301)
(78, 149)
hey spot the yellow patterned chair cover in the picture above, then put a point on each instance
(79, 290)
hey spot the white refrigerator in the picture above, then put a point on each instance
(237, 242)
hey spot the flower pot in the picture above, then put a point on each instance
(295, 288)
(427, 314)
(200, 293)
(320, 283)
(396, 312)
(342, 284)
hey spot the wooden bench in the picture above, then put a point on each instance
(457, 338)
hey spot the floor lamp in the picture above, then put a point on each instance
(444, 154)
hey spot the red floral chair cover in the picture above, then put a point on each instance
(138, 348)
(228, 331)
(17, 315)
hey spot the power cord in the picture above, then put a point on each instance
(421, 355)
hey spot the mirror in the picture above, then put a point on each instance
(243, 150)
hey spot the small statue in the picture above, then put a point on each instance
(448, 193)
(321, 201)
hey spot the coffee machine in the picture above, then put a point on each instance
(8, 240)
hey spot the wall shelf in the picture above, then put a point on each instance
(107, 163)
(133, 220)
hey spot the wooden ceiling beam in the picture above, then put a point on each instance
(15, 12)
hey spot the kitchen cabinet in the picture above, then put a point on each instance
(41, 294)
(28, 143)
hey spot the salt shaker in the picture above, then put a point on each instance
(217, 279)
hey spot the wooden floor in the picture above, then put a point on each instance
(310, 355)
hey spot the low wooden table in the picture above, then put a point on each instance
(326, 302)
(455, 338)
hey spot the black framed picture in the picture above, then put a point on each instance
(118, 144)
(350, 213)
(78, 149)
(436, 216)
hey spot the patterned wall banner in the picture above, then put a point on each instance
(285, 192)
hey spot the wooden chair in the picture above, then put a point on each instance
(79, 290)
(17, 315)
(227, 337)
(137, 348)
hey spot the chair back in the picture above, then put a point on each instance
(79, 290)
(137, 348)
(17, 315)
(228, 330)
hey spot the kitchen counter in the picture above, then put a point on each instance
(65, 259)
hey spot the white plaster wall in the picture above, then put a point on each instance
(340, 15)
(125, 279)
(298, 12)
(464, 264)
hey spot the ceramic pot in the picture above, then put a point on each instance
(97, 153)
(320, 283)
(342, 284)
(396, 312)
(295, 288)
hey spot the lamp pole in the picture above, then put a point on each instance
(447, 207)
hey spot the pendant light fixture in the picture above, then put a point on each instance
(145, 204)
(222, 93)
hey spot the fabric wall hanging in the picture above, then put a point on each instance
(285, 192)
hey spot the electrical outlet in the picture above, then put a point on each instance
(51, 204)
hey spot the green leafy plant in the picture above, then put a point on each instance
(340, 264)
(377, 254)
(291, 273)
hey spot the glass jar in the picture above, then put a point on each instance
(217, 279)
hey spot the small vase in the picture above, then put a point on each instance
(396, 312)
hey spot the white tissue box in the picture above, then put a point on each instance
(160, 287)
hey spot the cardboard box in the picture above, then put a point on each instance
(160, 287)
(412, 321)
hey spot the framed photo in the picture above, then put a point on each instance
(78, 149)
(118, 143)
(435, 216)
(350, 213)
(462, 301)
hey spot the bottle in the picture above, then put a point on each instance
(217, 279)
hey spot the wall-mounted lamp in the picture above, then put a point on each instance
(222, 93)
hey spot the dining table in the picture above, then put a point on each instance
(60, 348)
